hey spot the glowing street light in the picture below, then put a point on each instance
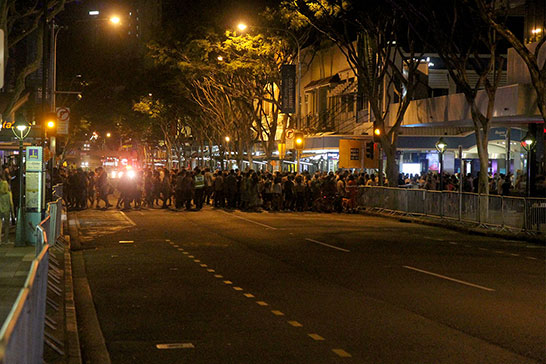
(108, 135)
(242, 26)
(115, 20)
(220, 58)
(441, 147)
(228, 139)
(528, 143)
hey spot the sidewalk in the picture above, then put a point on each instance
(14, 267)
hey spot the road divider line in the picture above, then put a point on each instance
(295, 323)
(262, 303)
(328, 245)
(254, 222)
(532, 258)
(449, 278)
(248, 295)
(277, 313)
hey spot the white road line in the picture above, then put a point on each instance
(328, 245)
(127, 218)
(254, 222)
(532, 258)
(453, 243)
(449, 278)
(514, 254)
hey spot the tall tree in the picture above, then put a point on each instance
(20, 21)
(466, 44)
(381, 51)
(494, 12)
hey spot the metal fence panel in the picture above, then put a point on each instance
(433, 203)
(415, 201)
(536, 214)
(470, 205)
(450, 204)
(513, 212)
(491, 207)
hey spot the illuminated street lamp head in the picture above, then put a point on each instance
(242, 26)
(115, 20)
(220, 58)
(528, 142)
(20, 130)
(299, 141)
(441, 145)
(228, 139)
(377, 131)
(108, 135)
(50, 124)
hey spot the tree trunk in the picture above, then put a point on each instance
(391, 167)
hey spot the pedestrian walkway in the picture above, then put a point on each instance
(14, 267)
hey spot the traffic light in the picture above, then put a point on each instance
(376, 135)
(298, 140)
(50, 123)
(369, 150)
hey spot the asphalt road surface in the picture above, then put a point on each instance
(233, 287)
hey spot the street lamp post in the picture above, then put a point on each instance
(528, 143)
(441, 148)
(227, 139)
(20, 130)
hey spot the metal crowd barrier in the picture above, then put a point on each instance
(505, 212)
(22, 334)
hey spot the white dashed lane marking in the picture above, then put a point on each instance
(328, 245)
(449, 278)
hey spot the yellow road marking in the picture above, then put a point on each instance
(210, 270)
(295, 323)
(342, 353)
(277, 313)
(262, 303)
(218, 276)
(249, 295)
(228, 282)
(316, 337)
(204, 265)
(237, 288)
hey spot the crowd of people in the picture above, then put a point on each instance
(247, 190)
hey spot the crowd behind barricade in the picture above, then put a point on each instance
(249, 190)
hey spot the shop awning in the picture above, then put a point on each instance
(323, 82)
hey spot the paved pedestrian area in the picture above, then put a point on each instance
(14, 266)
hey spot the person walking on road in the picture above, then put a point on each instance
(199, 182)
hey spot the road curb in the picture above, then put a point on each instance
(73, 340)
(93, 345)
(459, 227)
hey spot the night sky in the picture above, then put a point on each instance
(189, 15)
